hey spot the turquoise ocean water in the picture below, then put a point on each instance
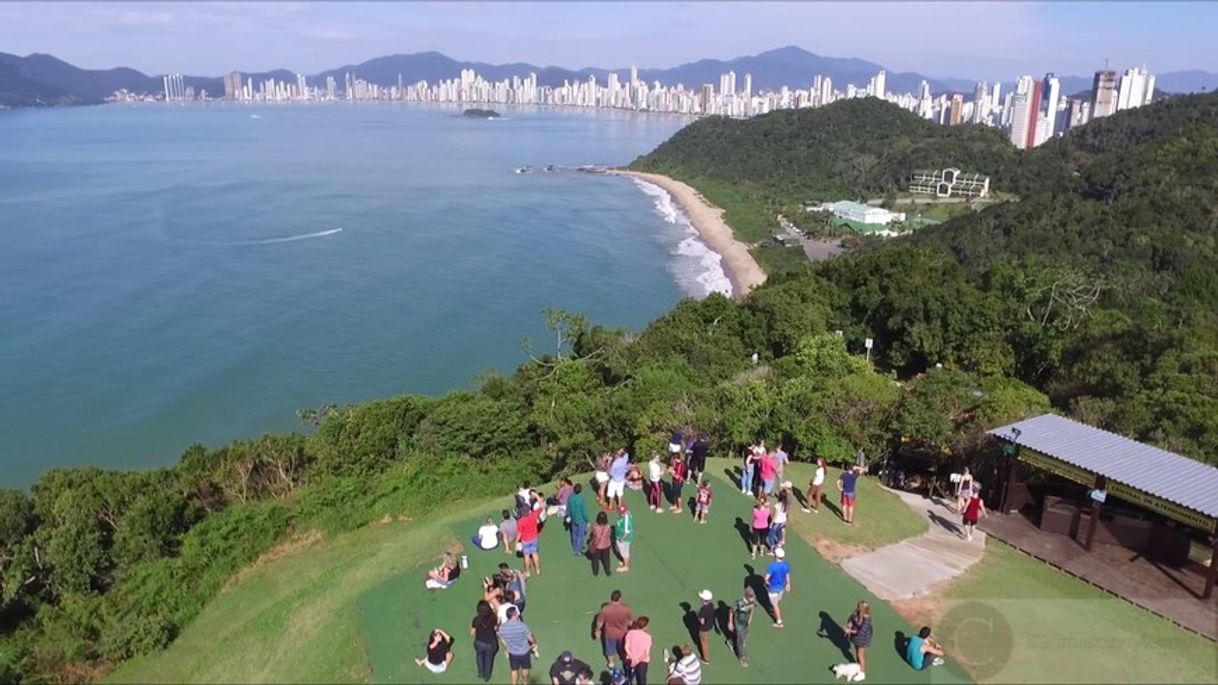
(181, 274)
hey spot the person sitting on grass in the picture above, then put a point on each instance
(507, 531)
(441, 577)
(634, 478)
(919, 646)
(487, 537)
(684, 668)
(566, 670)
(439, 652)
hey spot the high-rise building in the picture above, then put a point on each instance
(1034, 98)
(331, 88)
(1050, 88)
(1103, 94)
(878, 85)
(748, 86)
(1077, 113)
(956, 110)
(1136, 89)
(981, 102)
(232, 85)
(1020, 106)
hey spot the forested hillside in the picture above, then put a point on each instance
(1092, 293)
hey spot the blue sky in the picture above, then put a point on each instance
(969, 40)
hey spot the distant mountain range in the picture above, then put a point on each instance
(43, 80)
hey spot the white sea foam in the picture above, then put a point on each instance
(697, 269)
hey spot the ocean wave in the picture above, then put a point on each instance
(697, 269)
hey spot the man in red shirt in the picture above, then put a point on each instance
(527, 530)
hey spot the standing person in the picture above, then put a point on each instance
(974, 509)
(577, 518)
(702, 502)
(655, 482)
(781, 459)
(617, 479)
(508, 531)
(524, 499)
(684, 667)
(601, 466)
(697, 458)
(678, 470)
(520, 644)
(767, 465)
(761, 525)
(848, 484)
(706, 623)
(638, 651)
(964, 490)
(778, 583)
(566, 670)
(439, 652)
(528, 527)
(677, 442)
(778, 524)
(514, 585)
(858, 629)
(750, 466)
(612, 625)
(600, 542)
(486, 645)
(738, 622)
(623, 534)
(816, 487)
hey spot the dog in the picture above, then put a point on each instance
(851, 673)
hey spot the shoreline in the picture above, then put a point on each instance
(742, 270)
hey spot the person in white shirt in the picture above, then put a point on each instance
(816, 487)
(487, 538)
(684, 666)
(655, 483)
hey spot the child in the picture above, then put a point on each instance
(702, 502)
(678, 471)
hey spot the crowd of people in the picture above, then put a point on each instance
(625, 639)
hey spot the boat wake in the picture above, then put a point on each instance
(289, 239)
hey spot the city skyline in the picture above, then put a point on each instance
(965, 42)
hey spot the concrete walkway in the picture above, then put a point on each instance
(912, 567)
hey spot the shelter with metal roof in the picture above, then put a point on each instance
(1170, 485)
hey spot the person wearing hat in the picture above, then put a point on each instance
(623, 535)
(778, 582)
(566, 670)
(706, 623)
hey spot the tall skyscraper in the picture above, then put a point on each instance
(878, 85)
(981, 102)
(748, 86)
(956, 110)
(1020, 106)
(1050, 87)
(232, 85)
(1034, 98)
(1136, 89)
(1103, 94)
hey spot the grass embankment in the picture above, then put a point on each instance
(351, 607)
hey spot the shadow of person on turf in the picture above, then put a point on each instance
(754, 580)
(901, 643)
(721, 612)
(745, 531)
(943, 523)
(837, 511)
(690, 620)
(734, 474)
(833, 632)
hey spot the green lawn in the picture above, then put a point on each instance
(352, 607)
(673, 558)
(1041, 625)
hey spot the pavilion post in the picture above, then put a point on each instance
(1212, 576)
(1097, 508)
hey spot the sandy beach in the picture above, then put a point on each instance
(707, 219)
